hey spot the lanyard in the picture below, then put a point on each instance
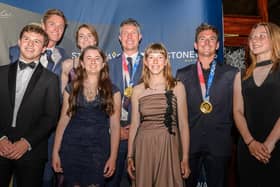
(206, 89)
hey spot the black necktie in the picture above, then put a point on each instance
(23, 65)
(50, 60)
(129, 60)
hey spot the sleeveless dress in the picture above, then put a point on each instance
(156, 150)
(85, 145)
(262, 110)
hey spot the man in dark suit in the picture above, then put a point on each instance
(29, 99)
(125, 72)
(53, 23)
(209, 88)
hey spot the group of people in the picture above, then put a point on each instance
(94, 121)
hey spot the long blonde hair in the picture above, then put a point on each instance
(273, 32)
(167, 72)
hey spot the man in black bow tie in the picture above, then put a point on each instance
(23, 65)
(29, 99)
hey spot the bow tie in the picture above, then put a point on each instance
(23, 65)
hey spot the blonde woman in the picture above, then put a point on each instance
(159, 127)
(256, 109)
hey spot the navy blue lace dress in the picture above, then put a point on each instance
(85, 145)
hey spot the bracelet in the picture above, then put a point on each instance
(250, 141)
(130, 157)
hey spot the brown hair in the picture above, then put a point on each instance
(36, 29)
(51, 12)
(204, 27)
(104, 85)
(92, 30)
(273, 32)
(167, 72)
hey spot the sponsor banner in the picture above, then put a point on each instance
(171, 22)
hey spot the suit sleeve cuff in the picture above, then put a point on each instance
(29, 146)
(3, 137)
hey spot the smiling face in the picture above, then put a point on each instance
(155, 62)
(130, 37)
(54, 27)
(260, 42)
(85, 38)
(92, 61)
(207, 44)
(31, 46)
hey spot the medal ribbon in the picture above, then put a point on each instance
(128, 79)
(206, 89)
(128, 82)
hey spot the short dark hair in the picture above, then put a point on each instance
(36, 29)
(130, 21)
(203, 27)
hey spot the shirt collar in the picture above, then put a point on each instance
(35, 61)
(52, 49)
(133, 56)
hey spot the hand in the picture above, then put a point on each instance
(131, 168)
(5, 147)
(110, 167)
(67, 66)
(56, 163)
(19, 148)
(125, 132)
(259, 151)
(269, 145)
(185, 169)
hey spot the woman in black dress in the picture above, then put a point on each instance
(88, 132)
(257, 110)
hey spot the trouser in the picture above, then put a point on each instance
(120, 173)
(216, 169)
(27, 172)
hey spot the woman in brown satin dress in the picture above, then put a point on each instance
(158, 144)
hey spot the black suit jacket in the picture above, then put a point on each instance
(210, 132)
(38, 112)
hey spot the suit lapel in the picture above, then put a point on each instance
(218, 74)
(116, 72)
(138, 72)
(57, 60)
(35, 77)
(196, 81)
(12, 82)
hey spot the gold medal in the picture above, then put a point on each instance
(206, 107)
(128, 91)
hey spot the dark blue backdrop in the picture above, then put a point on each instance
(171, 22)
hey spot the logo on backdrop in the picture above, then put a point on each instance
(5, 14)
(182, 56)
